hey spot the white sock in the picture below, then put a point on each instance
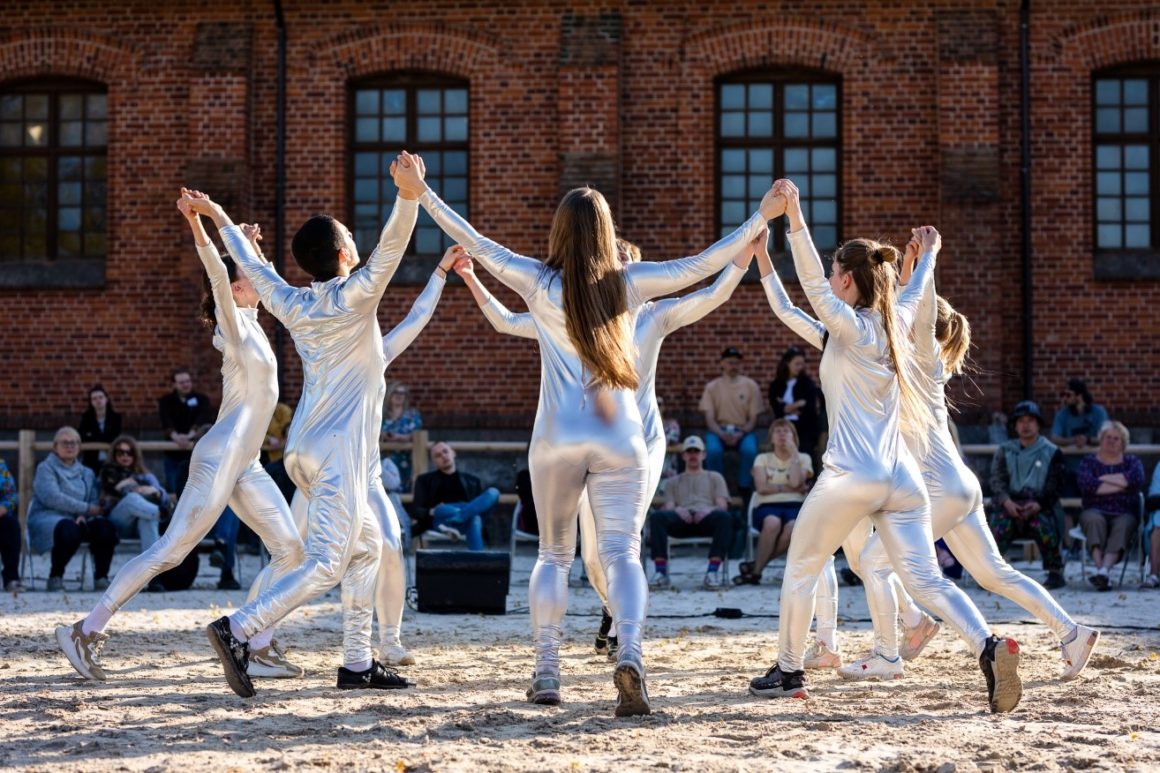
(912, 616)
(827, 637)
(1102, 570)
(359, 667)
(262, 640)
(237, 631)
(97, 619)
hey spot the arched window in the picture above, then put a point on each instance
(53, 139)
(773, 124)
(1125, 144)
(422, 113)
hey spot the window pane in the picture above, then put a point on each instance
(455, 188)
(1109, 236)
(94, 245)
(1107, 157)
(760, 125)
(733, 124)
(1137, 236)
(825, 185)
(761, 162)
(825, 211)
(395, 102)
(1108, 120)
(427, 241)
(94, 168)
(96, 106)
(758, 185)
(366, 101)
(1108, 183)
(1136, 210)
(36, 135)
(68, 244)
(825, 124)
(455, 101)
(68, 193)
(1108, 209)
(95, 194)
(825, 236)
(1135, 156)
(366, 164)
(733, 213)
(10, 169)
(11, 135)
(732, 97)
(68, 218)
(1136, 92)
(455, 162)
(95, 136)
(428, 101)
(394, 130)
(366, 190)
(69, 167)
(825, 159)
(366, 130)
(1136, 183)
(825, 97)
(732, 186)
(1107, 92)
(455, 128)
(430, 130)
(732, 160)
(761, 96)
(36, 106)
(72, 107)
(1136, 120)
(797, 160)
(11, 107)
(797, 97)
(797, 124)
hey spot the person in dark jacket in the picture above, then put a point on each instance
(185, 416)
(451, 501)
(793, 395)
(100, 423)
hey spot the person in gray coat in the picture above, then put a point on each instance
(64, 512)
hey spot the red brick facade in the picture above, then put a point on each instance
(620, 95)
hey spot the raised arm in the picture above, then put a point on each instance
(675, 313)
(516, 271)
(791, 316)
(501, 318)
(401, 335)
(225, 312)
(917, 303)
(648, 279)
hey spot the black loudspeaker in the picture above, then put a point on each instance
(462, 581)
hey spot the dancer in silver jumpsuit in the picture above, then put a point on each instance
(332, 438)
(942, 338)
(656, 321)
(918, 627)
(224, 468)
(588, 432)
(869, 471)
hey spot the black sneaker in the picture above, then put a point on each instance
(613, 647)
(228, 582)
(234, 655)
(632, 695)
(1000, 666)
(377, 677)
(602, 634)
(778, 684)
(849, 577)
(1101, 582)
(217, 556)
(1054, 580)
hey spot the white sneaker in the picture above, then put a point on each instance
(914, 640)
(451, 532)
(396, 655)
(82, 651)
(873, 667)
(821, 656)
(1077, 652)
(714, 581)
(271, 663)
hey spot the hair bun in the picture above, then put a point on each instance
(884, 253)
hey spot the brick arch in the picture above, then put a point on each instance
(48, 51)
(1108, 40)
(789, 42)
(430, 47)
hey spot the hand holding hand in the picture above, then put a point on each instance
(408, 171)
(252, 232)
(453, 255)
(773, 204)
(753, 248)
(929, 239)
(793, 205)
(465, 267)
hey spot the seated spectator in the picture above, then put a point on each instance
(9, 532)
(64, 512)
(185, 416)
(400, 421)
(1026, 476)
(99, 424)
(131, 496)
(696, 505)
(731, 404)
(393, 483)
(451, 501)
(1152, 532)
(1110, 482)
(793, 395)
(780, 480)
(672, 430)
(1078, 419)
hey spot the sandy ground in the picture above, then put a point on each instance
(167, 705)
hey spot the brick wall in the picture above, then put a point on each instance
(619, 95)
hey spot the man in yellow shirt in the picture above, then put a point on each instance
(731, 404)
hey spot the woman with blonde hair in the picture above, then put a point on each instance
(588, 434)
(1110, 482)
(400, 422)
(873, 396)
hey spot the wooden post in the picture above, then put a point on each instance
(25, 470)
(419, 456)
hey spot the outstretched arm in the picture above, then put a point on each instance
(225, 312)
(796, 319)
(917, 304)
(675, 313)
(516, 271)
(500, 317)
(401, 335)
(648, 279)
(364, 289)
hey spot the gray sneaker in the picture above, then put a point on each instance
(545, 690)
(714, 581)
(271, 663)
(660, 582)
(632, 695)
(82, 650)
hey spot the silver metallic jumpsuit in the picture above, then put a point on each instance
(224, 468)
(334, 432)
(957, 516)
(573, 448)
(868, 469)
(656, 321)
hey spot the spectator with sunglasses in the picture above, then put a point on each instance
(131, 496)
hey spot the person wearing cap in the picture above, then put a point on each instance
(1026, 481)
(1079, 419)
(731, 403)
(696, 505)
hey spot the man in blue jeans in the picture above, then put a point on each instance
(451, 501)
(731, 404)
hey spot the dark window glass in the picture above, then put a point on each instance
(1125, 144)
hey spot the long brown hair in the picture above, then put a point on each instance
(582, 247)
(953, 332)
(869, 264)
(128, 440)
